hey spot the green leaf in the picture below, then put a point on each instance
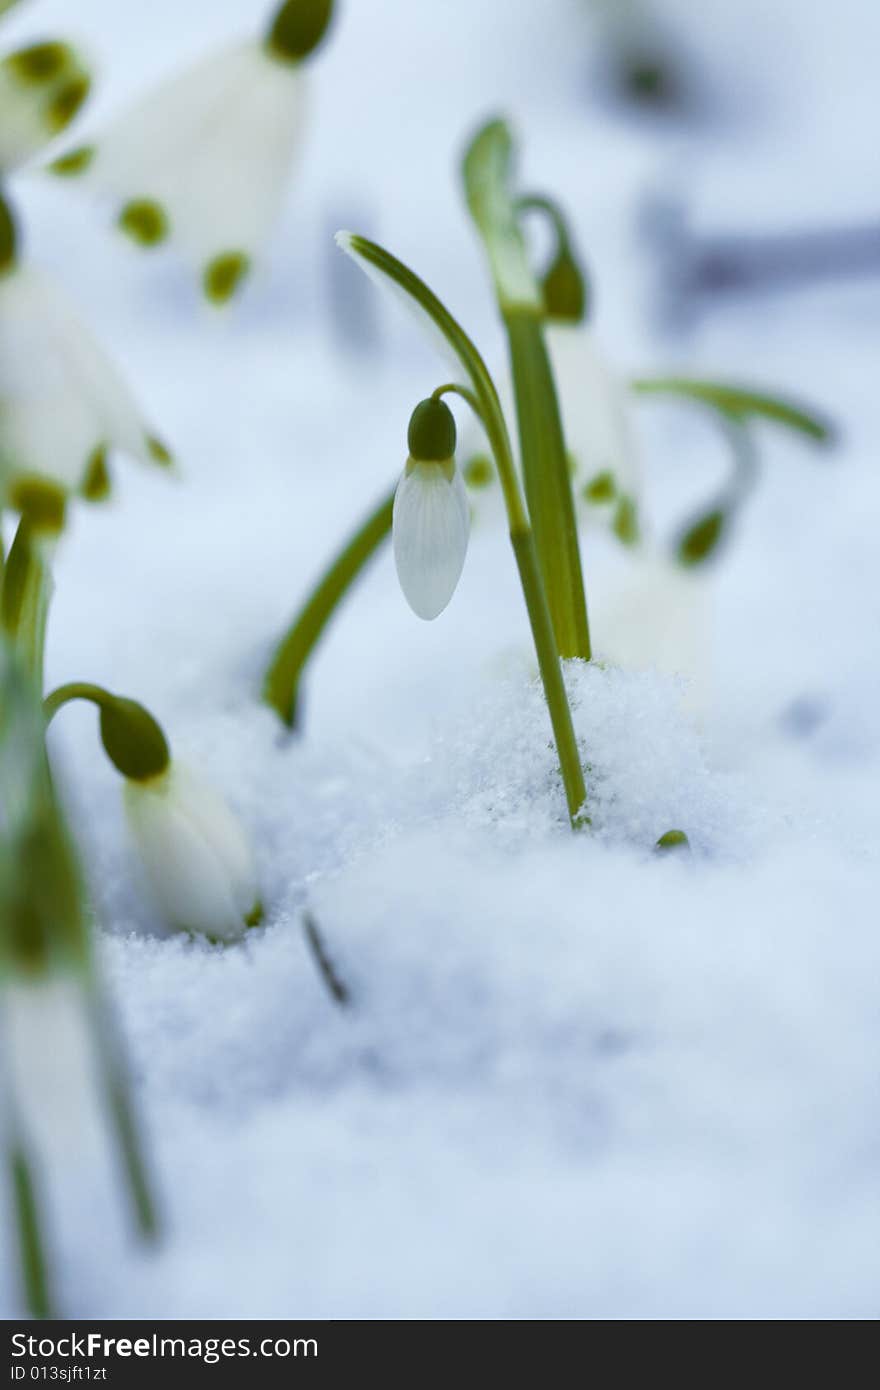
(384, 268)
(281, 684)
(741, 403)
(673, 840)
(31, 1240)
(487, 170)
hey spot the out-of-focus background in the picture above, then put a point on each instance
(580, 1083)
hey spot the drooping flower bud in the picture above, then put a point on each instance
(197, 858)
(198, 861)
(132, 739)
(564, 288)
(431, 521)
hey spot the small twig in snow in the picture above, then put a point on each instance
(337, 988)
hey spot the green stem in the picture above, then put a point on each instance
(486, 405)
(24, 603)
(281, 684)
(74, 690)
(117, 1093)
(32, 1251)
(453, 388)
(548, 483)
(551, 674)
(538, 202)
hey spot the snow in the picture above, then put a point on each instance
(576, 1078)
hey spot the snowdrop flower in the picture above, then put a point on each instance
(597, 425)
(596, 415)
(49, 1065)
(196, 856)
(63, 405)
(431, 518)
(657, 617)
(204, 158)
(41, 90)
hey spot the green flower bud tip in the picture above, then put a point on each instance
(626, 522)
(159, 452)
(431, 435)
(67, 102)
(8, 237)
(40, 63)
(564, 290)
(698, 543)
(298, 28)
(133, 741)
(673, 839)
(145, 221)
(601, 488)
(223, 276)
(73, 163)
(95, 485)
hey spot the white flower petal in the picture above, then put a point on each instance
(595, 409)
(198, 862)
(49, 1065)
(431, 523)
(596, 415)
(211, 149)
(61, 399)
(657, 619)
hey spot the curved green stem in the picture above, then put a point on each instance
(564, 287)
(133, 740)
(539, 202)
(282, 679)
(453, 388)
(74, 690)
(29, 1230)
